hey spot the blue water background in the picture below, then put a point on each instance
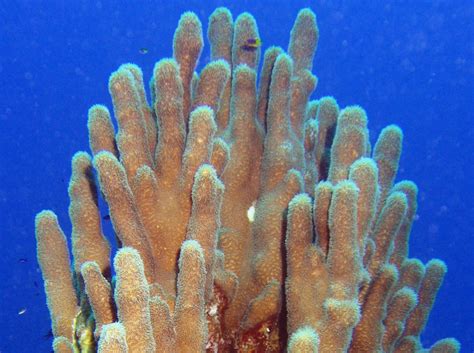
(406, 62)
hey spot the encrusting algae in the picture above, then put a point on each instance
(248, 219)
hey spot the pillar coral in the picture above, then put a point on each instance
(248, 218)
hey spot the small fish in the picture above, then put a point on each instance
(23, 260)
(22, 311)
(251, 44)
(106, 217)
(143, 51)
(48, 335)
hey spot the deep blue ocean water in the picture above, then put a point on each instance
(406, 62)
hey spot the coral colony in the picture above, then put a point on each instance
(247, 219)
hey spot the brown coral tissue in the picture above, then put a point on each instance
(247, 217)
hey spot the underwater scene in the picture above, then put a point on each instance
(236, 176)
